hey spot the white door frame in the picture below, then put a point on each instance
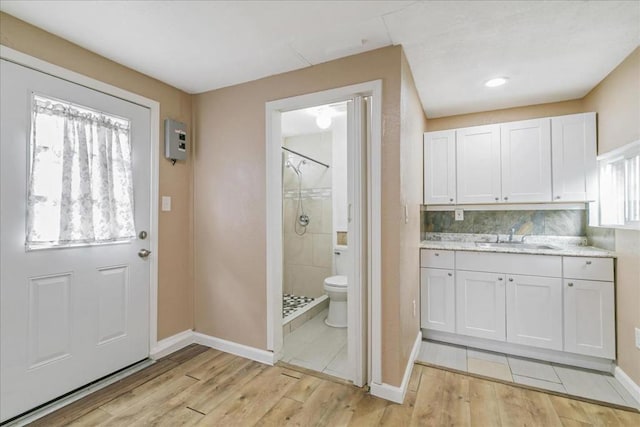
(274, 242)
(82, 80)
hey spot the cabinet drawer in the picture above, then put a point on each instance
(524, 264)
(588, 268)
(434, 258)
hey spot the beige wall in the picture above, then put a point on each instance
(412, 128)
(506, 115)
(617, 101)
(230, 270)
(175, 279)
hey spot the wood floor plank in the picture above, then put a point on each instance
(93, 418)
(364, 409)
(512, 406)
(455, 399)
(602, 415)
(187, 353)
(207, 395)
(483, 403)
(252, 401)
(570, 409)
(541, 409)
(320, 407)
(77, 409)
(304, 388)
(427, 411)
(281, 413)
(200, 386)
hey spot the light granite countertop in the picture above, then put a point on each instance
(561, 245)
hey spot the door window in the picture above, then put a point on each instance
(80, 188)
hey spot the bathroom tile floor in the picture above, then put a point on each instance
(543, 375)
(319, 347)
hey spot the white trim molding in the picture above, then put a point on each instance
(394, 393)
(262, 356)
(627, 383)
(357, 307)
(183, 339)
(154, 107)
(172, 344)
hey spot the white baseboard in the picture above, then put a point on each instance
(394, 393)
(627, 383)
(262, 356)
(171, 344)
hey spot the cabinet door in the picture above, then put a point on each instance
(478, 164)
(437, 299)
(534, 311)
(589, 319)
(525, 148)
(440, 167)
(573, 148)
(480, 304)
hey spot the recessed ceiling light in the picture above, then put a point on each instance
(498, 81)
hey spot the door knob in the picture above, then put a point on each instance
(143, 253)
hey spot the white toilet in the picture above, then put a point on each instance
(336, 289)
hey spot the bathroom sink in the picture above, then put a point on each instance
(516, 245)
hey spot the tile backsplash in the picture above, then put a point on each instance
(544, 222)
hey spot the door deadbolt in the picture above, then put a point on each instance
(142, 235)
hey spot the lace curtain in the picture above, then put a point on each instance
(80, 188)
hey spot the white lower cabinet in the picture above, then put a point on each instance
(437, 299)
(589, 318)
(534, 311)
(559, 303)
(480, 304)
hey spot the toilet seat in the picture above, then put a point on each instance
(336, 281)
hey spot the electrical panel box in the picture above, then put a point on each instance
(175, 140)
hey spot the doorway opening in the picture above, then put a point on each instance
(322, 231)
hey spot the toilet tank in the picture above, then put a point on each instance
(340, 260)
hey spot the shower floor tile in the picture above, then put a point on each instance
(291, 303)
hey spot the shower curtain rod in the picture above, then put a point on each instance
(306, 157)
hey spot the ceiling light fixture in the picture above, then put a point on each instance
(323, 119)
(498, 81)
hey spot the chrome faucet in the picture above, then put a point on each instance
(513, 230)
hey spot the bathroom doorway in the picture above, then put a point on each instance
(316, 259)
(322, 231)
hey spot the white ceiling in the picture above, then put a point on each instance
(551, 50)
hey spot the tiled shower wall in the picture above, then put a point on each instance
(544, 222)
(308, 258)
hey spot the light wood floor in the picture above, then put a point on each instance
(202, 386)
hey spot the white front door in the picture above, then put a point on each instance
(69, 315)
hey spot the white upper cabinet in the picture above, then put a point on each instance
(440, 167)
(573, 146)
(478, 164)
(525, 149)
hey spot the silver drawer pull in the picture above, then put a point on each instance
(570, 284)
(499, 278)
(511, 279)
(437, 254)
(450, 274)
(588, 262)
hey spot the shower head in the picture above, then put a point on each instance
(296, 168)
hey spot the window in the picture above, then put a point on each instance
(619, 173)
(80, 188)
